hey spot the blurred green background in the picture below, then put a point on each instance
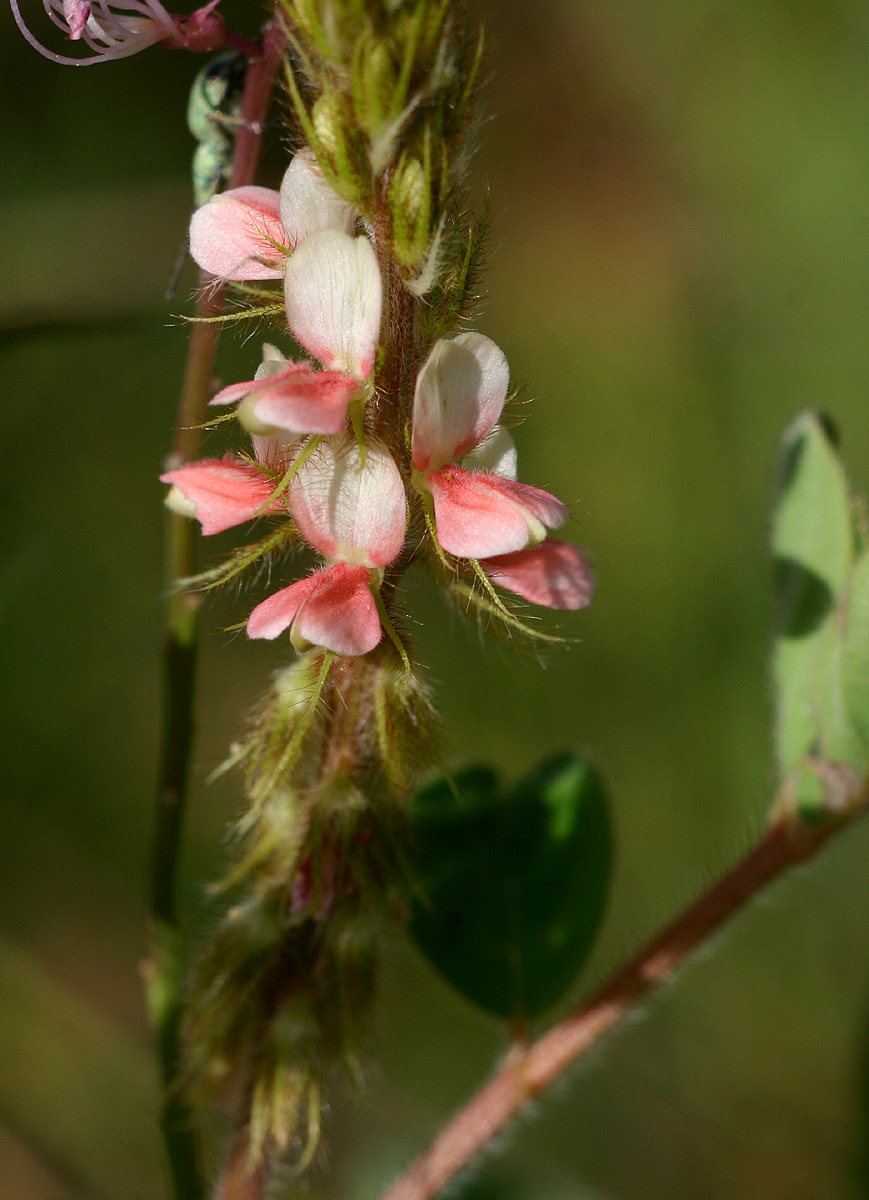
(682, 264)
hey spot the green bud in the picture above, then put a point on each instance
(410, 207)
(405, 725)
(373, 84)
(336, 144)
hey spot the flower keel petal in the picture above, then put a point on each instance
(222, 493)
(553, 574)
(480, 515)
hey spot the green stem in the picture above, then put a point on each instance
(165, 969)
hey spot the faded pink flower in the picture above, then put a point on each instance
(464, 465)
(120, 28)
(248, 233)
(333, 301)
(355, 516)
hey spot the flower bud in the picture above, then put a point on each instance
(373, 85)
(334, 127)
(410, 206)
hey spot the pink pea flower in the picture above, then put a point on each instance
(333, 302)
(355, 516)
(248, 233)
(118, 28)
(221, 493)
(553, 574)
(464, 465)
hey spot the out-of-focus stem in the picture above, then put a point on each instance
(527, 1071)
(241, 1180)
(166, 963)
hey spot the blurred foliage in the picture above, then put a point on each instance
(820, 660)
(679, 194)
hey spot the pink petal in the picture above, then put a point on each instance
(333, 608)
(277, 613)
(460, 394)
(297, 398)
(479, 515)
(341, 614)
(349, 512)
(553, 574)
(223, 493)
(231, 236)
(308, 204)
(333, 297)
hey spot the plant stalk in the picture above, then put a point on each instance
(165, 967)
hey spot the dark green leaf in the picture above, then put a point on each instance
(512, 887)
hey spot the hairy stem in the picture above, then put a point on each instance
(528, 1070)
(165, 966)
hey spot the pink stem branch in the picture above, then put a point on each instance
(527, 1072)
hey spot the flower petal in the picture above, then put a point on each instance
(349, 512)
(277, 613)
(341, 613)
(460, 394)
(496, 455)
(333, 297)
(233, 235)
(333, 608)
(294, 398)
(479, 515)
(223, 493)
(553, 574)
(308, 203)
(275, 451)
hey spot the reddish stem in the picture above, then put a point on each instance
(165, 968)
(527, 1072)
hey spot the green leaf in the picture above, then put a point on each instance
(512, 887)
(813, 546)
(855, 653)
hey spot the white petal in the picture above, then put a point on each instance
(351, 513)
(308, 204)
(333, 297)
(460, 394)
(273, 361)
(496, 455)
